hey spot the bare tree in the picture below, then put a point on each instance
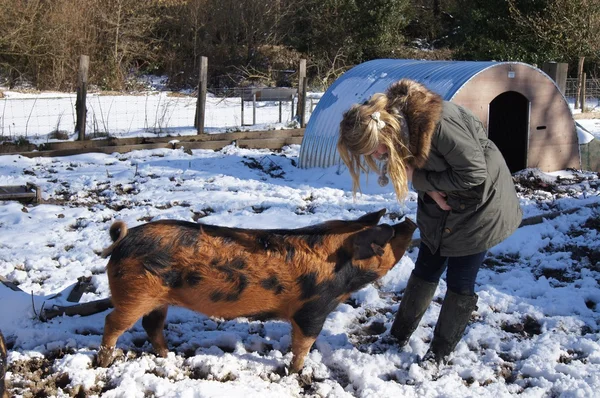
(570, 27)
(126, 26)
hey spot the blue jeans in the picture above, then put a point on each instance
(461, 273)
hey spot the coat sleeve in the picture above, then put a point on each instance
(459, 144)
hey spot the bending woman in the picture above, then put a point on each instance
(466, 197)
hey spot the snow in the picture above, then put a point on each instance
(535, 332)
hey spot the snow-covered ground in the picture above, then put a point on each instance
(535, 333)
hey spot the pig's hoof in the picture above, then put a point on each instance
(163, 352)
(105, 356)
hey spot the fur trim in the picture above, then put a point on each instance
(423, 110)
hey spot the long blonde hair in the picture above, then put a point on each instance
(360, 135)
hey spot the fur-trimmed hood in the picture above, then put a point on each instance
(422, 109)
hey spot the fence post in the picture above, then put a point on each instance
(80, 107)
(254, 109)
(279, 111)
(242, 100)
(579, 76)
(201, 102)
(583, 83)
(558, 72)
(302, 92)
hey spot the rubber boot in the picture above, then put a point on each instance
(417, 297)
(452, 322)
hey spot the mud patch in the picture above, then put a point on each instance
(37, 378)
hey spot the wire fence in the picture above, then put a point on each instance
(158, 113)
(53, 115)
(592, 92)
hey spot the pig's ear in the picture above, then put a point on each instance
(371, 218)
(371, 242)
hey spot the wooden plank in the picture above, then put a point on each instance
(269, 143)
(252, 143)
(149, 140)
(100, 149)
(10, 285)
(139, 143)
(266, 143)
(84, 309)
(30, 192)
(83, 285)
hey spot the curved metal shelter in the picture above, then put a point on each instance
(523, 109)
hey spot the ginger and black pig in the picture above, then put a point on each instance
(299, 275)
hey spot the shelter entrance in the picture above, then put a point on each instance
(508, 128)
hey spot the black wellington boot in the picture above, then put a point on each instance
(452, 322)
(417, 297)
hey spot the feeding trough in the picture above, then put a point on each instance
(24, 193)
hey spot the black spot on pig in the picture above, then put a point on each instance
(308, 285)
(193, 278)
(157, 262)
(232, 274)
(172, 279)
(273, 284)
(262, 316)
(290, 253)
(237, 263)
(314, 240)
(136, 244)
(311, 317)
(347, 279)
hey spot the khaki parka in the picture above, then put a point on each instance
(452, 154)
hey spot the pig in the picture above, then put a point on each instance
(298, 275)
(3, 365)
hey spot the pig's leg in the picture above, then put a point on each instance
(300, 346)
(154, 323)
(118, 321)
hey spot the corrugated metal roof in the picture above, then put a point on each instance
(359, 83)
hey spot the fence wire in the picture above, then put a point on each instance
(592, 92)
(54, 116)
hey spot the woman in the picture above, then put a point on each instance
(466, 197)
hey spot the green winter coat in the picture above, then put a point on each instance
(452, 154)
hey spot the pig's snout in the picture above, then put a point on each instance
(407, 226)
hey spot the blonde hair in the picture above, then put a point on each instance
(360, 135)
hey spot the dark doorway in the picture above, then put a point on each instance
(509, 128)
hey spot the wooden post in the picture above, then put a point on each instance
(583, 93)
(254, 109)
(302, 92)
(579, 76)
(201, 102)
(558, 72)
(304, 87)
(242, 98)
(279, 111)
(80, 107)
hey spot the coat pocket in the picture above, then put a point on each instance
(466, 201)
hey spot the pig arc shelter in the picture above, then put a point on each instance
(523, 109)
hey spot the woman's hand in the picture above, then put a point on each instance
(440, 199)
